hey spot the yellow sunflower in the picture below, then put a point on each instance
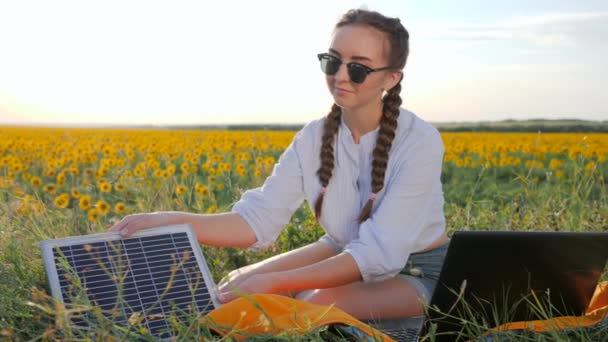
(226, 167)
(269, 161)
(119, 187)
(105, 187)
(120, 208)
(36, 182)
(202, 190)
(50, 188)
(76, 193)
(85, 202)
(93, 215)
(62, 201)
(185, 167)
(180, 190)
(102, 207)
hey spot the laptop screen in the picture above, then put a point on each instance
(495, 277)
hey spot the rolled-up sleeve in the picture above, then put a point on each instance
(267, 209)
(390, 235)
(328, 240)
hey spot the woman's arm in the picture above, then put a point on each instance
(223, 230)
(334, 271)
(297, 258)
(226, 230)
(303, 256)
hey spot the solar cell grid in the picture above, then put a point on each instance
(153, 275)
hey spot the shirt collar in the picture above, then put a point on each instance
(367, 140)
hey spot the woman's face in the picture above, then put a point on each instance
(367, 46)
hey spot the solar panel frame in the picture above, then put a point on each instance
(51, 263)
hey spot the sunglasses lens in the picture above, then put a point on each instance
(357, 73)
(330, 64)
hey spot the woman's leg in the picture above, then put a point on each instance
(392, 298)
(398, 297)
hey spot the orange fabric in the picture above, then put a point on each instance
(282, 315)
(270, 314)
(596, 312)
(599, 300)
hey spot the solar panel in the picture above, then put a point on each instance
(152, 275)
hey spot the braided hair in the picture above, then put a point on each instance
(398, 38)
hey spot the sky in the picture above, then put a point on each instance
(254, 62)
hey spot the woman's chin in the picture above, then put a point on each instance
(341, 102)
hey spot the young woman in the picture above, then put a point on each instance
(370, 169)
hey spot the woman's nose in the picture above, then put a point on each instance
(342, 73)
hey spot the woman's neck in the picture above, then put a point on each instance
(363, 119)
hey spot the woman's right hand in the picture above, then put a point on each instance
(132, 223)
(234, 279)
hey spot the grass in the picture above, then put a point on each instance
(476, 326)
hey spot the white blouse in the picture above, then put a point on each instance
(407, 214)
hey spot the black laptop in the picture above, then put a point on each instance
(508, 270)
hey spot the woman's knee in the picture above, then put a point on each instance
(318, 296)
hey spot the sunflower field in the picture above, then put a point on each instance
(58, 182)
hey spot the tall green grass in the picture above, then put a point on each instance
(481, 199)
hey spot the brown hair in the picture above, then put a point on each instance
(398, 38)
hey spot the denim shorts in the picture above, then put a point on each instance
(422, 271)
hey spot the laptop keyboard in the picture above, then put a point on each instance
(400, 329)
(403, 335)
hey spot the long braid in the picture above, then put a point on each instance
(386, 134)
(330, 128)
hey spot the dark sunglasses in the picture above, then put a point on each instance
(357, 72)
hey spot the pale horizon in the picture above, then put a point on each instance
(134, 63)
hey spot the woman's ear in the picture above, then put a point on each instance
(393, 78)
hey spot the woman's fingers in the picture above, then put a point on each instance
(132, 223)
(257, 283)
(223, 282)
(130, 228)
(232, 280)
(227, 284)
(129, 224)
(226, 297)
(120, 224)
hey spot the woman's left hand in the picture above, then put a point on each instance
(257, 283)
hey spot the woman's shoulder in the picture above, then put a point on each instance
(410, 122)
(311, 131)
(412, 129)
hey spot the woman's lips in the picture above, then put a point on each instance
(341, 92)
